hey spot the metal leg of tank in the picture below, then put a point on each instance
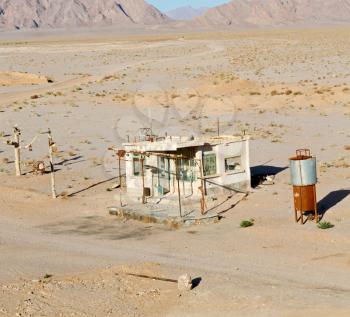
(315, 202)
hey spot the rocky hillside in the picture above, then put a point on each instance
(76, 13)
(276, 12)
(186, 13)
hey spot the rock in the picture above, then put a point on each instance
(274, 12)
(19, 14)
(184, 283)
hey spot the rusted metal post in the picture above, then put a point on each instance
(119, 171)
(120, 183)
(52, 165)
(315, 201)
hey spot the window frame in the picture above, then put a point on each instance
(205, 170)
(234, 171)
(136, 161)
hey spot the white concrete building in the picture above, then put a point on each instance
(194, 166)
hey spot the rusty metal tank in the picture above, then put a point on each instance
(304, 178)
(303, 169)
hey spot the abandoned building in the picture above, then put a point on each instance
(183, 169)
(180, 179)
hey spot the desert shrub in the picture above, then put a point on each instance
(325, 225)
(46, 276)
(247, 223)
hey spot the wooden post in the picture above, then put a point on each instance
(202, 188)
(178, 186)
(174, 179)
(152, 186)
(52, 165)
(121, 154)
(143, 180)
(16, 134)
(17, 147)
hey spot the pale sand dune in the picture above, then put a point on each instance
(16, 78)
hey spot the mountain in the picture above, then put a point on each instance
(186, 13)
(76, 13)
(276, 13)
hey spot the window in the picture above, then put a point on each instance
(161, 166)
(136, 163)
(233, 164)
(209, 164)
(187, 170)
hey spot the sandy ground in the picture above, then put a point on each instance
(288, 89)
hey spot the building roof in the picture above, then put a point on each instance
(173, 143)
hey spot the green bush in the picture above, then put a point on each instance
(247, 223)
(325, 225)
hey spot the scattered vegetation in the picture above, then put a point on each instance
(325, 225)
(247, 223)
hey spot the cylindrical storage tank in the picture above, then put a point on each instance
(304, 198)
(303, 170)
(303, 173)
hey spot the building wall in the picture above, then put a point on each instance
(222, 182)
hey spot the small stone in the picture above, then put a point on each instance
(184, 283)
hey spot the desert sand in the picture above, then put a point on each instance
(288, 89)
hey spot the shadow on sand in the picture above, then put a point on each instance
(332, 199)
(260, 172)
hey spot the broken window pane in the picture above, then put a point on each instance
(233, 164)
